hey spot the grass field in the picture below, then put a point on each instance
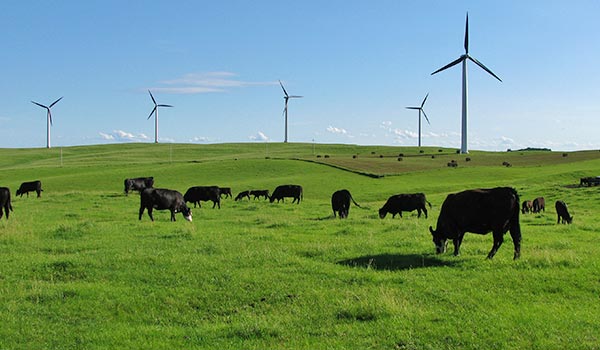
(78, 270)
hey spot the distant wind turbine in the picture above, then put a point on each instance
(463, 59)
(48, 119)
(286, 97)
(155, 111)
(420, 109)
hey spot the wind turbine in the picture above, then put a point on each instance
(420, 109)
(155, 111)
(464, 58)
(48, 119)
(286, 97)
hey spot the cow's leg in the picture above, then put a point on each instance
(39, 193)
(1, 212)
(418, 212)
(457, 242)
(141, 212)
(218, 204)
(173, 215)
(425, 211)
(150, 213)
(515, 234)
(498, 239)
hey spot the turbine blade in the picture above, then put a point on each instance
(153, 109)
(295, 96)
(55, 102)
(484, 67)
(165, 106)
(284, 92)
(50, 116)
(413, 107)
(426, 117)
(425, 99)
(39, 104)
(153, 100)
(453, 63)
(467, 34)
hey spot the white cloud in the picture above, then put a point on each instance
(106, 136)
(260, 136)
(334, 130)
(199, 83)
(407, 134)
(122, 136)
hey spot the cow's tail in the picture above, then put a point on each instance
(428, 203)
(354, 202)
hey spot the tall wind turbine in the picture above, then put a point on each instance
(420, 109)
(463, 59)
(48, 119)
(286, 97)
(155, 111)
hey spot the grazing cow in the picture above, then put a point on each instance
(31, 186)
(138, 184)
(225, 191)
(5, 201)
(563, 212)
(340, 203)
(538, 205)
(526, 207)
(203, 193)
(161, 199)
(259, 193)
(242, 194)
(479, 211)
(283, 191)
(398, 203)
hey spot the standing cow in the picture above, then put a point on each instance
(203, 193)
(340, 203)
(138, 184)
(294, 191)
(162, 199)
(539, 204)
(526, 207)
(398, 203)
(31, 186)
(225, 191)
(5, 201)
(479, 211)
(563, 212)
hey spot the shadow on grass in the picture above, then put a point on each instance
(395, 262)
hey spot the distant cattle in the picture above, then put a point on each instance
(398, 203)
(242, 194)
(563, 213)
(225, 191)
(32, 186)
(526, 207)
(539, 204)
(203, 193)
(260, 193)
(589, 181)
(138, 184)
(506, 164)
(479, 211)
(452, 164)
(294, 191)
(5, 201)
(163, 199)
(340, 203)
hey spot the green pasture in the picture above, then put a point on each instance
(78, 270)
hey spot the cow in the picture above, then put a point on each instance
(162, 199)
(259, 193)
(31, 186)
(398, 203)
(226, 191)
(538, 205)
(5, 201)
(340, 203)
(138, 184)
(563, 213)
(526, 207)
(242, 194)
(294, 191)
(203, 193)
(479, 211)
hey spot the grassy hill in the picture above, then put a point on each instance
(80, 271)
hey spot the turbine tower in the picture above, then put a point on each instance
(464, 58)
(48, 119)
(286, 97)
(155, 111)
(420, 109)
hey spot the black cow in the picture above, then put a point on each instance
(538, 205)
(294, 191)
(259, 193)
(203, 193)
(340, 203)
(398, 203)
(138, 184)
(5, 201)
(31, 186)
(242, 194)
(563, 212)
(526, 207)
(161, 199)
(225, 191)
(479, 211)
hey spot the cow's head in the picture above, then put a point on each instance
(187, 213)
(271, 199)
(570, 219)
(439, 240)
(18, 192)
(382, 213)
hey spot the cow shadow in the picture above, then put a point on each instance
(396, 262)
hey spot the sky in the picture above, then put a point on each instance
(357, 64)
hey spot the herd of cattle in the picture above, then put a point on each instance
(478, 211)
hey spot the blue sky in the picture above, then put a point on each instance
(358, 64)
